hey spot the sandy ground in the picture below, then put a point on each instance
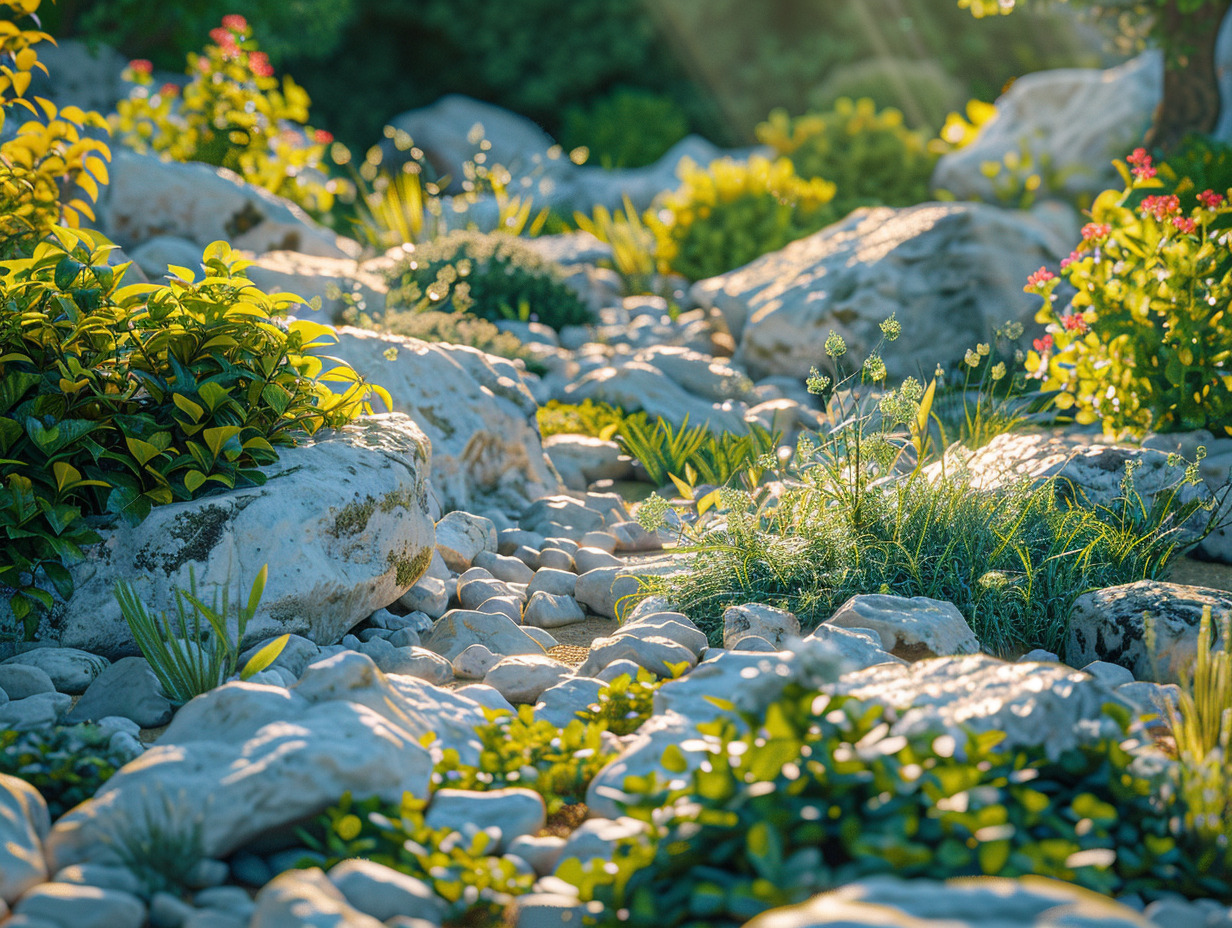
(1202, 573)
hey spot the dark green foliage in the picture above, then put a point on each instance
(490, 275)
(629, 128)
(1199, 163)
(67, 764)
(166, 32)
(473, 883)
(817, 793)
(557, 763)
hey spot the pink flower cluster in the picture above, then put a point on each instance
(1096, 231)
(1075, 322)
(1038, 279)
(1161, 206)
(1142, 166)
(141, 66)
(1210, 199)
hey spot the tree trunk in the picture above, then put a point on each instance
(1190, 100)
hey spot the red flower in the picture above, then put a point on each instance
(169, 90)
(1210, 199)
(322, 137)
(1184, 223)
(1073, 256)
(1076, 322)
(141, 66)
(1142, 164)
(1043, 345)
(220, 36)
(1162, 206)
(1096, 231)
(235, 22)
(259, 63)
(1038, 279)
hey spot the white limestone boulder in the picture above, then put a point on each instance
(23, 827)
(316, 276)
(1112, 625)
(342, 524)
(147, 197)
(475, 409)
(245, 759)
(1078, 119)
(910, 628)
(950, 273)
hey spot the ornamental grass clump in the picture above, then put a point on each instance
(233, 113)
(855, 510)
(1145, 344)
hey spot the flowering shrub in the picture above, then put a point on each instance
(871, 156)
(1146, 342)
(725, 215)
(233, 113)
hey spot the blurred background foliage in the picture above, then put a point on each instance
(717, 66)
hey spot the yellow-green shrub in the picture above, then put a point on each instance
(725, 215)
(235, 114)
(872, 158)
(114, 398)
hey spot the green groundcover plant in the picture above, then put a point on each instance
(817, 792)
(67, 764)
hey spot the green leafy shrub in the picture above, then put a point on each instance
(725, 215)
(67, 764)
(1146, 341)
(818, 793)
(491, 275)
(628, 128)
(859, 514)
(190, 658)
(114, 398)
(870, 156)
(235, 114)
(518, 750)
(598, 420)
(473, 883)
(624, 704)
(921, 90)
(460, 329)
(1199, 163)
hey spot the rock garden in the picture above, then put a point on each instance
(582, 477)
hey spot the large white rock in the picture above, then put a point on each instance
(910, 628)
(65, 904)
(1111, 625)
(637, 385)
(341, 523)
(522, 678)
(1091, 471)
(1079, 119)
(774, 625)
(246, 759)
(950, 272)
(1048, 705)
(474, 407)
(312, 276)
(458, 629)
(306, 899)
(148, 196)
(23, 826)
(970, 902)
